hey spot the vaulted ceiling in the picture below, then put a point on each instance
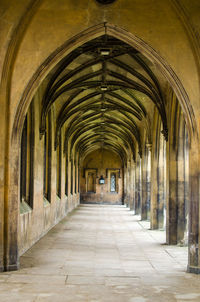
(104, 93)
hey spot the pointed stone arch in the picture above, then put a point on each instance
(45, 68)
(87, 35)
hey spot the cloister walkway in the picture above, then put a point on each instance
(101, 253)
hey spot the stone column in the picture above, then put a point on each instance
(161, 183)
(72, 176)
(186, 181)
(194, 226)
(138, 193)
(125, 183)
(132, 185)
(69, 184)
(171, 196)
(144, 187)
(154, 187)
(2, 233)
(128, 182)
(145, 182)
(11, 253)
(62, 169)
(3, 138)
(182, 185)
(149, 180)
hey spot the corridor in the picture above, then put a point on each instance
(101, 253)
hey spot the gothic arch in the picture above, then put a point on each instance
(46, 67)
(87, 35)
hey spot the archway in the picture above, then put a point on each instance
(49, 64)
(101, 178)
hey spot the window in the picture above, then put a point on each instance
(23, 161)
(113, 176)
(47, 159)
(58, 170)
(27, 157)
(113, 182)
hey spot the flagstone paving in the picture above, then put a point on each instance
(101, 253)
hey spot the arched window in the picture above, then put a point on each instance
(113, 182)
(47, 159)
(27, 157)
(58, 170)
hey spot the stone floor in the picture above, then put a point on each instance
(101, 253)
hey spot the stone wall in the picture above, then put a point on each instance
(102, 163)
(44, 212)
(35, 36)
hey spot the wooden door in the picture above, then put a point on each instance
(90, 182)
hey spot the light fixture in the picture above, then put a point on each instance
(105, 51)
(101, 180)
(104, 88)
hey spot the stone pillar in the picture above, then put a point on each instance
(194, 226)
(3, 134)
(132, 185)
(62, 169)
(144, 187)
(161, 183)
(79, 175)
(186, 181)
(1, 232)
(154, 187)
(69, 183)
(11, 254)
(1, 214)
(138, 193)
(171, 197)
(145, 184)
(128, 183)
(72, 176)
(182, 185)
(149, 180)
(125, 183)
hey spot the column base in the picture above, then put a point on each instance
(143, 216)
(12, 267)
(193, 269)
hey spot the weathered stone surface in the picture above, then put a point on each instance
(35, 37)
(101, 253)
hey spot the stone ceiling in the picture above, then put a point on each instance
(104, 93)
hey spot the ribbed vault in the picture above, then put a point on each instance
(104, 93)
